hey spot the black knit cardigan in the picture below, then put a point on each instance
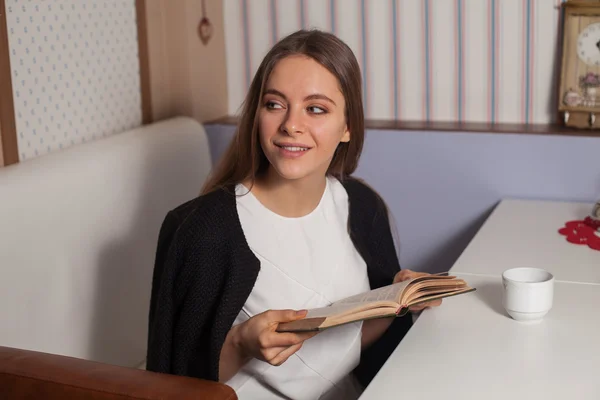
(204, 272)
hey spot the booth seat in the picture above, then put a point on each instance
(78, 236)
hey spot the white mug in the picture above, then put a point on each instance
(528, 293)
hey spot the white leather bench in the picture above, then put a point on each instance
(78, 234)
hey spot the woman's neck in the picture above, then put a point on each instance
(289, 198)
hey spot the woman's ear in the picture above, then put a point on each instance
(346, 135)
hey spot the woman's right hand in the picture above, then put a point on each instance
(257, 337)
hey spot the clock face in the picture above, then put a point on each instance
(588, 44)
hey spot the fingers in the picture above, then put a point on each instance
(406, 274)
(276, 339)
(277, 347)
(285, 354)
(422, 306)
(276, 316)
(402, 275)
(258, 337)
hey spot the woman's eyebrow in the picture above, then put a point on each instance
(319, 96)
(315, 96)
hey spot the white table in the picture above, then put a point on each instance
(525, 233)
(468, 348)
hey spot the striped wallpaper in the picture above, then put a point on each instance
(434, 60)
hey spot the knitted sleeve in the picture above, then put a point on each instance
(202, 276)
(369, 228)
(382, 244)
(158, 356)
(182, 298)
(383, 263)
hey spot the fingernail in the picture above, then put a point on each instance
(300, 312)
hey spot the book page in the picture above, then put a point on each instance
(386, 293)
(360, 316)
(386, 296)
(429, 297)
(431, 285)
(334, 309)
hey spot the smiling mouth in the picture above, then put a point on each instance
(293, 148)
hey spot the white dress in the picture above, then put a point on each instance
(306, 262)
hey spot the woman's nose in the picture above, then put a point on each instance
(294, 122)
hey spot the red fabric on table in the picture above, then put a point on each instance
(581, 233)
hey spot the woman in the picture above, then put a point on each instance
(280, 227)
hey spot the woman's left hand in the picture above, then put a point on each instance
(406, 274)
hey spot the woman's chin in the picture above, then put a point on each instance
(291, 174)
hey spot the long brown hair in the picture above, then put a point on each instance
(245, 158)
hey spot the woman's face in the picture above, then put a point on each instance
(301, 118)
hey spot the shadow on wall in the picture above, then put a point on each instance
(443, 256)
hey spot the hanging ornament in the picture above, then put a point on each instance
(205, 28)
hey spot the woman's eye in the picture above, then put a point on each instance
(316, 110)
(273, 106)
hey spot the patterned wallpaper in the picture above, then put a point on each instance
(75, 71)
(435, 60)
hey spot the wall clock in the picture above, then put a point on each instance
(579, 88)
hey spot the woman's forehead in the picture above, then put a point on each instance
(301, 75)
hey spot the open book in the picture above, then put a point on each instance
(388, 301)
